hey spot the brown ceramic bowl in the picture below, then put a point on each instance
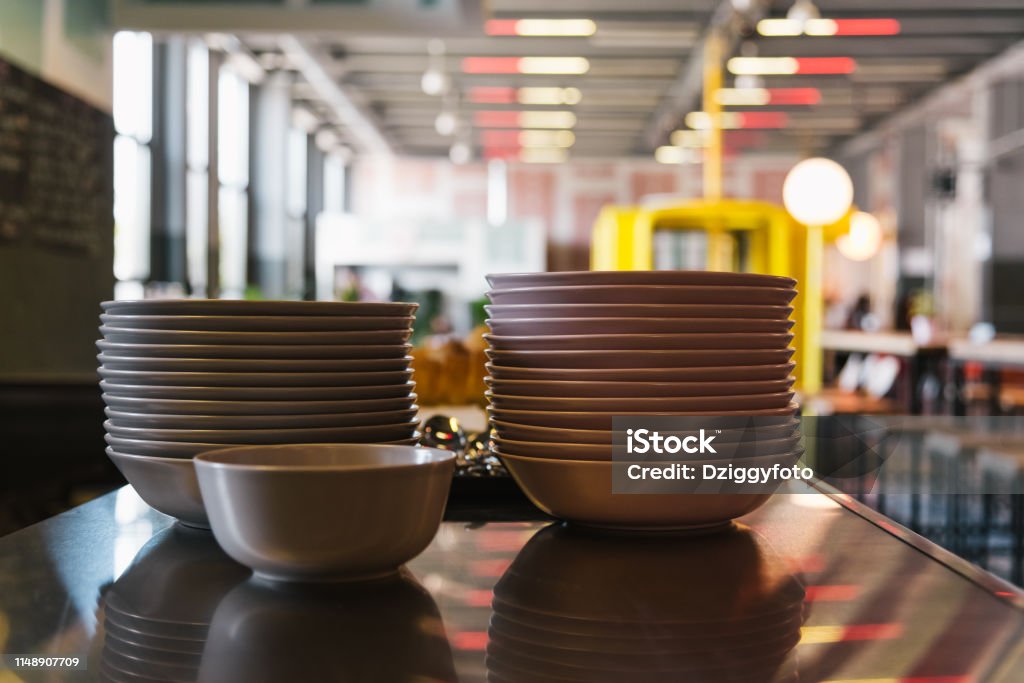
(168, 485)
(598, 420)
(637, 277)
(221, 307)
(167, 365)
(257, 323)
(644, 294)
(153, 423)
(265, 377)
(720, 373)
(680, 404)
(562, 450)
(319, 512)
(154, 338)
(140, 395)
(533, 327)
(766, 429)
(640, 358)
(666, 342)
(580, 491)
(638, 310)
(399, 429)
(588, 389)
(250, 351)
(152, 406)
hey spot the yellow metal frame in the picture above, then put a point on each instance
(623, 239)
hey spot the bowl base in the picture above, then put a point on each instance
(327, 578)
(193, 525)
(698, 530)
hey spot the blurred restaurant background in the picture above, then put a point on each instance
(402, 149)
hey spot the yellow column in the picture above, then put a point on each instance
(718, 252)
(813, 311)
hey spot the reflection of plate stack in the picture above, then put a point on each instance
(158, 612)
(579, 606)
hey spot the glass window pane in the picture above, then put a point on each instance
(233, 220)
(198, 105)
(296, 191)
(131, 209)
(334, 183)
(196, 192)
(232, 128)
(133, 84)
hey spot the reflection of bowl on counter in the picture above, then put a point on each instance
(386, 630)
(157, 613)
(583, 606)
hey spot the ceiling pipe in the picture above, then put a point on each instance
(353, 115)
(685, 94)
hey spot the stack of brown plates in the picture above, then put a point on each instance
(570, 351)
(180, 377)
(576, 606)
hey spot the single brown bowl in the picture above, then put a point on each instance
(562, 450)
(149, 421)
(327, 511)
(399, 429)
(643, 294)
(533, 327)
(152, 406)
(624, 389)
(580, 491)
(679, 404)
(168, 485)
(221, 307)
(720, 373)
(638, 310)
(396, 363)
(258, 323)
(666, 342)
(599, 420)
(637, 277)
(188, 449)
(766, 429)
(639, 358)
(266, 377)
(140, 394)
(251, 351)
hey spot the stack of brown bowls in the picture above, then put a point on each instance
(180, 377)
(570, 351)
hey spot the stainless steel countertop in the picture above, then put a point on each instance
(872, 603)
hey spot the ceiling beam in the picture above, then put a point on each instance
(352, 113)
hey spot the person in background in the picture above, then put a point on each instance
(859, 314)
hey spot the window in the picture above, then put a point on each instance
(133, 124)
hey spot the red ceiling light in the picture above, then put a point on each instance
(866, 27)
(825, 65)
(763, 119)
(501, 27)
(794, 96)
(492, 95)
(496, 119)
(490, 65)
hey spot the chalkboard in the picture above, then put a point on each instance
(56, 227)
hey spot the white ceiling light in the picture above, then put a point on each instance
(817, 192)
(460, 153)
(864, 239)
(446, 123)
(803, 11)
(435, 81)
